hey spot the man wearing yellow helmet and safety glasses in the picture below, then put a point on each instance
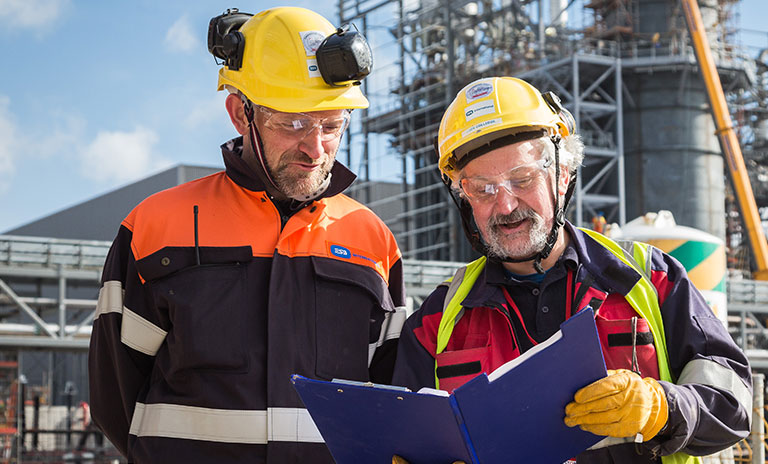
(677, 384)
(216, 291)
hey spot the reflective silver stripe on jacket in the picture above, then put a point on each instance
(707, 372)
(390, 329)
(292, 424)
(610, 441)
(135, 331)
(140, 334)
(110, 298)
(224, 425)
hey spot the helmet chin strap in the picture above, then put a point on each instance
(256, 144)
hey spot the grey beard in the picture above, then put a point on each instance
(494, 236)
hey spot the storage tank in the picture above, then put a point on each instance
(673, 160)
(702, 254)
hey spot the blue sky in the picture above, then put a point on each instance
(97, 94)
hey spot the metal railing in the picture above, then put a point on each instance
(49, 252)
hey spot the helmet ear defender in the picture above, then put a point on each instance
(556, 105)
(225, 42)
(344, 56)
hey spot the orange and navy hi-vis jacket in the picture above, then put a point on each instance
(193, 346)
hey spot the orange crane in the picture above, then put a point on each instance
(729, 143)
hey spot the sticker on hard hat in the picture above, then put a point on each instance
(311, 40)
(477, 91)
(480, 109)
(312, 68)
(481, 126)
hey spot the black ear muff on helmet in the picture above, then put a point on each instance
(344, 56)
(556, 105)
(225, 42)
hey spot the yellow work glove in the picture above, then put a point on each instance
(398, 460)
(620, 405)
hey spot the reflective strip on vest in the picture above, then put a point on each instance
(460, 285)
(390, 329)
(642, 296)
(110, 298)
(140, 334)
(255, 427)
(707, 372)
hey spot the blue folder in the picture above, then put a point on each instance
(513, 415)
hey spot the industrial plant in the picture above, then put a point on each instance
(655, 170)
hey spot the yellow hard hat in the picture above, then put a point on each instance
(491, 108)
(279, 69)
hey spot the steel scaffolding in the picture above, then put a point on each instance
(597, 61)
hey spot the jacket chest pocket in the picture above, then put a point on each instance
(350, 302)
(206, 308)
(625, 338)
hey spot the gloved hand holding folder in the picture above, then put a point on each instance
(622, 404)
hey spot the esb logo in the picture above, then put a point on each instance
(340, 251)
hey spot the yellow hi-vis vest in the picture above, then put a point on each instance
(642, 297)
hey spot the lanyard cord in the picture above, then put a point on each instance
(569, 297)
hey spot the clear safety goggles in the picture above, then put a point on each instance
(296, 126)
(517, 181)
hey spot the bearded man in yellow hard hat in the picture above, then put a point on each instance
(216, 291)
(677, 384)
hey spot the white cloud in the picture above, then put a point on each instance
(206, 112)
(31, 14)
(121, 156)
(180, 37)
(61, 137)
(8, 143)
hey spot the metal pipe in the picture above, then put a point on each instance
(620, 142)
(62, 304)
(757, 436)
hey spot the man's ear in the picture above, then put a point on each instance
(237, 113)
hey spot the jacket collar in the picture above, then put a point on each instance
(243, 175)
(609, 272)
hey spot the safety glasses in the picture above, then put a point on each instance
(517, 181)
(296, 126)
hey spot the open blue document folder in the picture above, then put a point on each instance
(513, 415)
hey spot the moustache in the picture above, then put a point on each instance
(515, 216)
(298, 157)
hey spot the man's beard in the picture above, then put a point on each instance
(527, 242)
(295, 183)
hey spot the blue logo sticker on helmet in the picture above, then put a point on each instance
(341, 252)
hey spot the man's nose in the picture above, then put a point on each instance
(504, 202)
(312, 143)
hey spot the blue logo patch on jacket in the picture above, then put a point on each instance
(341, 252)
